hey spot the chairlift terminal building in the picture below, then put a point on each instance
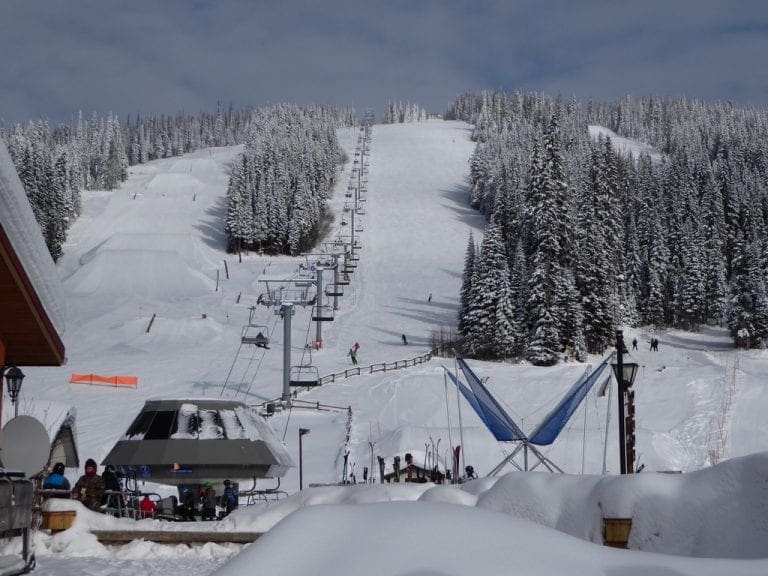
(187, 441)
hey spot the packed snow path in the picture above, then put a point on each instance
(414, 239)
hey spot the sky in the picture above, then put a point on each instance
(154, 248)
(150, 57)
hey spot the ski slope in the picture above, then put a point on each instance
(156, 246)
(153, 252)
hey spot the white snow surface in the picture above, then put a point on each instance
(154, 247)
(625, 146)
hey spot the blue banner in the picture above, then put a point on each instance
(553, 424)
(491, 413)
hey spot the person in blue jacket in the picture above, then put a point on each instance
(230, 496)
(57, 481)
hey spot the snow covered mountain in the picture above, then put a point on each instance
(151, 293)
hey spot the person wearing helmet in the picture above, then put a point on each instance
(57, 481)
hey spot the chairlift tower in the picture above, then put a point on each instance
(319, 316)
(285, 312)
(287, 294)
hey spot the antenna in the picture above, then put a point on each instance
(26, 445)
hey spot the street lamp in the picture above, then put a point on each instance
(625, 376)
(629, 370)
(14, 377)
(302, 431)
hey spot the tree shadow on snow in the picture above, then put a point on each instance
(458, 203)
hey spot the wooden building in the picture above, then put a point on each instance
(31, 304)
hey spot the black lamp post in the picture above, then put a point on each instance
(14, 377)
(302, 432)
(625, 376)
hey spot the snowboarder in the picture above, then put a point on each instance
(404, 339)
(353, 355)
(634, 343)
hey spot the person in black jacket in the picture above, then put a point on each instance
(112, 484)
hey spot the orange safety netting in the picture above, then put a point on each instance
(129, 381)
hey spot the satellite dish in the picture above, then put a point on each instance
(26, 445)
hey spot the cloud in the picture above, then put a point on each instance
(161, 57)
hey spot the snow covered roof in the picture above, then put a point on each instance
(176, 441)
(32, 309)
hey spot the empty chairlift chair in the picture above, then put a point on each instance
(322, 313)
(306, 376)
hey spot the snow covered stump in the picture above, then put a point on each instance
(616, 532)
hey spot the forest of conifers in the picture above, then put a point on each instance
(579, 239)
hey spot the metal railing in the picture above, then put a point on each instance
(380, 367)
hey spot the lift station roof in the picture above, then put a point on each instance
(186, 441)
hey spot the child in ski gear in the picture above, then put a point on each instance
(353, 355)
(148, 508)
(90, 487)
(57, 481)
(230, 496)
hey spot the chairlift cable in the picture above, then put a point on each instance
(448, 415)
(270, 331)
(255, 373)
(584, 438)
(287, 421)
(248, 366)
(232, 367)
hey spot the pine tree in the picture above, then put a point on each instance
(466, 284)
(490, 309)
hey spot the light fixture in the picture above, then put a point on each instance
(629, 370)
(14, 377)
